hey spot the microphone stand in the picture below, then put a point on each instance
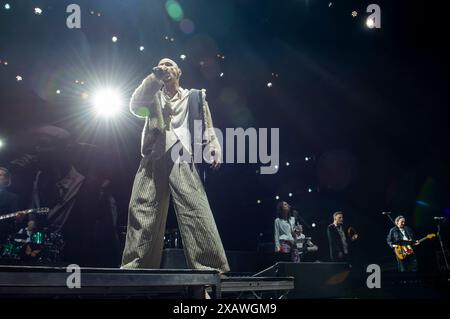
(298, 217)
(442, 244)
(389, 216)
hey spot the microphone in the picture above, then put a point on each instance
(386, 213)
(438, 218)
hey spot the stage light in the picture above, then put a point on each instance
(258, 201)
(114, 39)
(7, 6)
(422, 203)
(107, 102)
(58, 91)
(309, 190)
(221, 75)
(19, 78)
(306, 159)
(38, 11)
(174, 10)
(269, 85)
(370, 23)
(290, 194)
(187, 26)
(183, 57)
(313, 224)
(1, 143)
(287, 164)
(141, 48)
(277, 197)
(354, 14)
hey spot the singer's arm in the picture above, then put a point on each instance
(212, 142)
(143, 96)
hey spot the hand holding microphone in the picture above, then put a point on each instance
(160, 72)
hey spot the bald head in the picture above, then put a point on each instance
(168, 62)
(171, 69)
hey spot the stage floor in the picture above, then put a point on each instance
(61, 282)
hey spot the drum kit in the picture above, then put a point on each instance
(41, 246)
(31, 246)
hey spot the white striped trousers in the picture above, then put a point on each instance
(155, 181)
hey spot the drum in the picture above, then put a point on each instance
(37, 238)
(11, 250)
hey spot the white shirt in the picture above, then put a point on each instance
(176, 114)
(283, 230)
(29, 234)
(402, 230)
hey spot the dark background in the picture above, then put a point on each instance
(368, 105)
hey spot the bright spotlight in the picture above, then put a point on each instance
(313, 224)
(1, 144)
(370, 23)
(107, 102)
(277, 197)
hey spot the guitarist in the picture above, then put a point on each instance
(397, 236)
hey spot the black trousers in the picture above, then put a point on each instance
(409, 264)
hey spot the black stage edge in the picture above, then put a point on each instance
(52, 282)
(25, 281)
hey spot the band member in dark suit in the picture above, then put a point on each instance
(398, 235)
(8, 204)
(340, 239)
(8, 200)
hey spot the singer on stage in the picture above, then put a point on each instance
(169, 112)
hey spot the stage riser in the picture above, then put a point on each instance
(314, 280)
(239, 261)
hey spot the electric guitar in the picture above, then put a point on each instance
(43, 210)
(403, 251)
